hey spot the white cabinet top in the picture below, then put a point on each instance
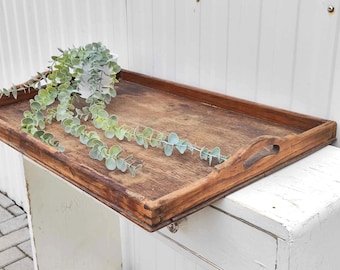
(287, 200)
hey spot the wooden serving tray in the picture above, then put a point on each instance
(261, 139)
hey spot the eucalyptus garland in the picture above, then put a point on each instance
(89, 72)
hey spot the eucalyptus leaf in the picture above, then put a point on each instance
(35, 105)
(99, 122)
(115, 151)
(27, 121)
(14, 91)
(93, 141)
(155, 142)
(181, 146)
(216, 152)
(139, 139)
(110, 164)
(168, 150)
(109, 134)
(84, 138)
(38, 134)
(121, 164)
(147, 132)
(47, 136)
(204, 153)
(120, 133)
(173, 138)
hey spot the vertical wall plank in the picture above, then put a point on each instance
(187, 21)
(164, 38)
(277, 51)
(243, 48)
(140, 35)
(213, 45)
(314, 58)
(334, 96)
(5, 49)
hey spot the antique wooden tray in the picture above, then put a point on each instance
(261, 139)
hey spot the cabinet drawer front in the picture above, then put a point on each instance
(225, 241)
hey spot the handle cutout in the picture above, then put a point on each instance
(260, 154)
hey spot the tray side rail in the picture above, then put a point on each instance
(283, 117)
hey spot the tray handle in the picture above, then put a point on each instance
(262, 153)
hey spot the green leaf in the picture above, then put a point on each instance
(84, 138)
(47, 137)
(102, 113)
(160, 137)
(112, 121)
(14, 91)
(115, 151)
(96, 153)
(216, 152)
(155, 142)
(168, 148)
(147, 132)
(109, 134)
(93, 135)
(41, 124)
(128, 135)
(204, 153)
(173, 138)
(81, 129)
(122, 164)
(27, 114)
(110, 164)
(35, 105)
(182, 146)
(93, 141)
(38, 134)
(120, 133)
(112, 92)
(67, 122)
(40, 115)
(99, 122)
(139, 139)
(27, 121)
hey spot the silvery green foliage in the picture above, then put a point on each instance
(90, 73)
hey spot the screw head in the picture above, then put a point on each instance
(330, 9)
(173, 227)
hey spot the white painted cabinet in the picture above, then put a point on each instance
(288, 220)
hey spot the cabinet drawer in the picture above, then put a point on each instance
(228, 242)
(210, 236)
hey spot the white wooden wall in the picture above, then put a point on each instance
(284, 53)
